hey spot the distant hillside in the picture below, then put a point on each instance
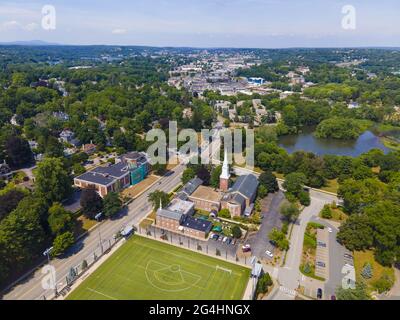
(29, 43)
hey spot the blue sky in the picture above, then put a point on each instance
(204, 23)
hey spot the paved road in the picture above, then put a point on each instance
(289, 276)
(336, 260)
(271, 219)
(32, 289)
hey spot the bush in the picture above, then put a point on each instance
(383, 284)
(224, 213)
(304, 198)
(285, 227)
(84, 265)
(264, 283)
(326, 212)
(62, 242)
(236, 232)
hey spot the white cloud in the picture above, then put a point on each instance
(31, 26)
(15, 25)
(119, 31)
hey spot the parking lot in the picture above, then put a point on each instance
(271, 218)
(229, 246)
(337, 259)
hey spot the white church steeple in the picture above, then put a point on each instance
(225, 175)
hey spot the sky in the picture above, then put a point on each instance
(204, 23)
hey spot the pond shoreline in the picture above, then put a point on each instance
(307, 141)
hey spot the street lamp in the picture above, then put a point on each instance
(98, 217)
(47, 253)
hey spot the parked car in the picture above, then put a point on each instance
(348, 256)
(321, 264)
(228, 241)
(220, 238)
(246, 248)
(322, 244)
(269, 254)
(224, 240)
(319, 293)
(233, 242)
(330, 230)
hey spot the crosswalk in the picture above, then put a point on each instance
(288, 291)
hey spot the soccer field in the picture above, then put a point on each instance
(145, 269)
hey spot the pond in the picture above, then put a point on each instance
(306, 141)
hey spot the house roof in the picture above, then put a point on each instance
(197, 224)
(105, 175)
(191, 186)
(206, 193)
(169, 214)
(95, 177)
(246, 185)
(117, 170)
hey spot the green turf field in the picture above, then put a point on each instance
(147, 269)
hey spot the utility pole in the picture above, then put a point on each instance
(98, 218)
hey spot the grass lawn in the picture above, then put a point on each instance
(147, 269)
(133, 191)
(145, 223)
(390, 143)
(337, 215)
(331, 186)
(307, 265)
(363, 257)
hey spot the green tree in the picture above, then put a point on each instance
(224, 213)
(62, 242)
(294, 183)
(59, 219)
(236, 232)
(289, 211)
(18, 152)
(268, 180)
(359, 293)
(157, 196)
(279, 239)
(215, 173)
(356, 233)
(188, 175)
(264, 282)
(91, 203)
(326, 212)
(366, 272)
(52, 180)
(112, 204)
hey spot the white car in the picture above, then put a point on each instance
(330, 230)
(224, 240)
(269, 254)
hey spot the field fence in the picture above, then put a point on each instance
(75, 272)
(211, 248)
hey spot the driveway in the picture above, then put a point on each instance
(271, 218)
(73, 204)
